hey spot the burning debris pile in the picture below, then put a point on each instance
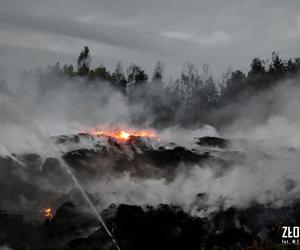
(123, 135)
(65, 185)
(153, 195)
(48, 213)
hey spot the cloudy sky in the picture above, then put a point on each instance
(221, 33)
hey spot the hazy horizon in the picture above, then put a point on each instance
(223, 34)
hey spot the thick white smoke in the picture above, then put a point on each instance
(266, 179)
(265, 133)
(268, 174)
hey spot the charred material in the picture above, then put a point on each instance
(165, 227)
(209, 141)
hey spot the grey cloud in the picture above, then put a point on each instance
(103, 33)
(221, 33)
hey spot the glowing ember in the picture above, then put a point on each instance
(48, 213)
(124, 135)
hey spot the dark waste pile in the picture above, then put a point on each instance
(137, 220)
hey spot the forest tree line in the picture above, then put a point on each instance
(188, 99)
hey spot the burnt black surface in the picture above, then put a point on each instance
(165, 227)
(211, 141)
(133, 227)
(135, 156)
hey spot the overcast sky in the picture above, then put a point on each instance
(221, 33)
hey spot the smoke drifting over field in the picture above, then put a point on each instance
(262, 157)
(119, 147)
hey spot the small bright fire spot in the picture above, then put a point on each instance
(48, 213)
(124, 134)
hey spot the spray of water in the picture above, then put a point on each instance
(84, 194)
(68, 170)
(53, 150)
(5, 151)
(86, 197)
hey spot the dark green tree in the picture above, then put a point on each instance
(136, 75)
(257, 77)
(257, 67)
(158, 72)
(277, 66)
(118, 77)
(100, 73)
(68, 70)
(190, 76)
(210, 92)
(83, 62)
(234, 87)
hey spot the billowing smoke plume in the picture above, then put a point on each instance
(262, 156)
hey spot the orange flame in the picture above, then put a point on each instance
(48, 213)
(124, 135)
